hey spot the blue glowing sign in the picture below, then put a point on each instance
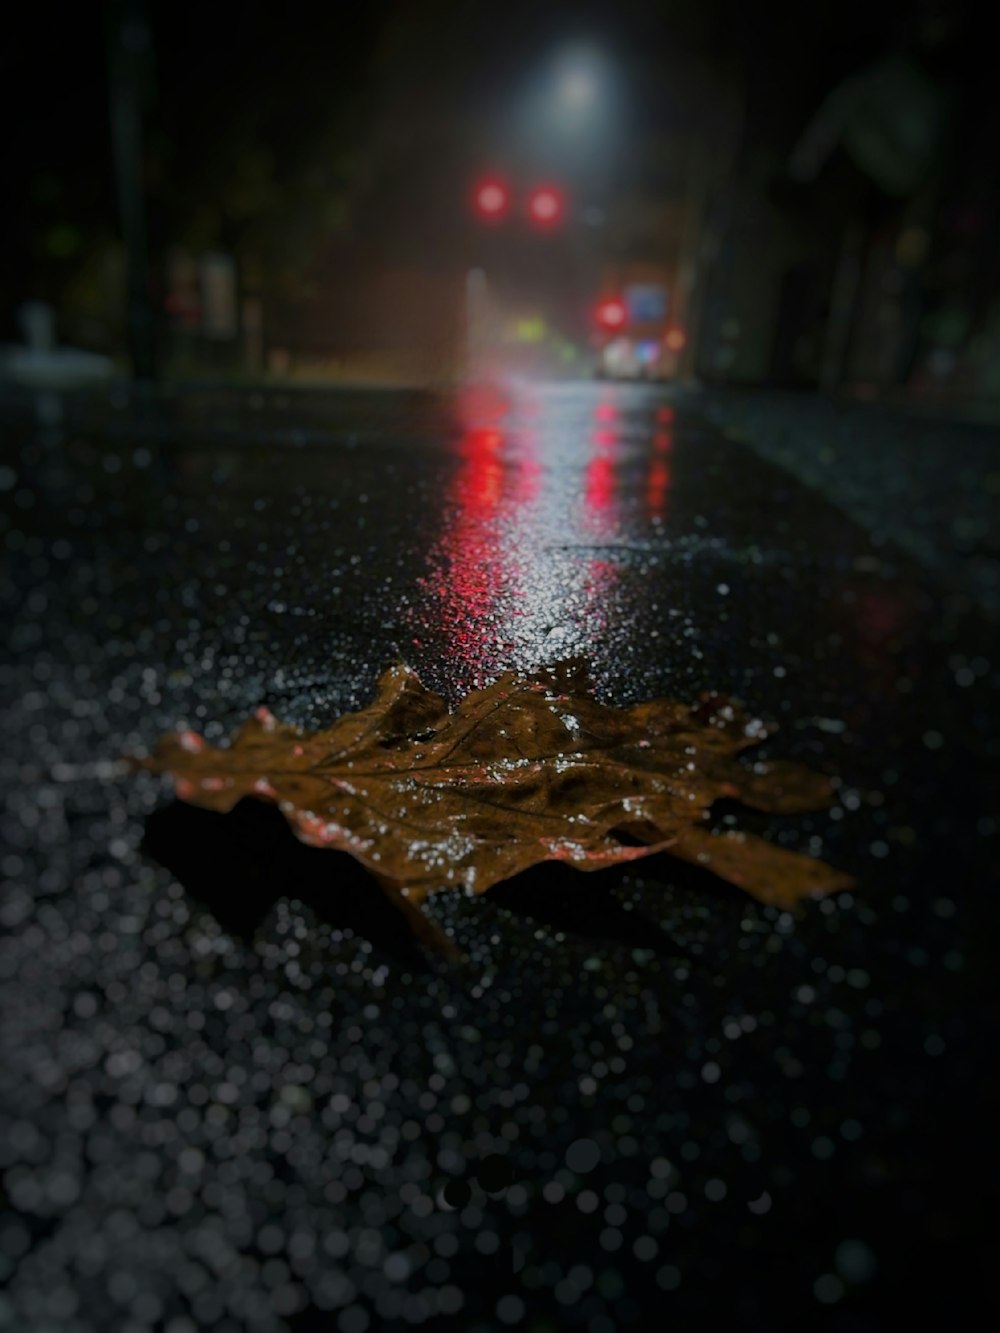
(646, 303)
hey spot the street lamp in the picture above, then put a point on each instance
(578, 86)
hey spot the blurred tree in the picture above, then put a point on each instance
(891, 118)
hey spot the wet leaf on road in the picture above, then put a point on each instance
(531, 769)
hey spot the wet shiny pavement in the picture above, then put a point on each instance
(234, 1094)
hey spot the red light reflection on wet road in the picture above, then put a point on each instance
(599, 492)
(475, 586)
(511, 579)
(657, 486)
(480, 481)
(599, 477)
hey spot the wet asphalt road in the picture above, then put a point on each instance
(235, 1096)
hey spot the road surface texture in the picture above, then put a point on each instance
(235, 1096)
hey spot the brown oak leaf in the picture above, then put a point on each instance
(531, 769)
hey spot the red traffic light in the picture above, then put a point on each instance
(611, 314)
(491, 199)
(545, 206)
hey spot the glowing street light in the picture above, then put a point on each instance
(578, 88)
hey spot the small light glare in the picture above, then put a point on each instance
(545, 206)
(611, 314)
(491, 199)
